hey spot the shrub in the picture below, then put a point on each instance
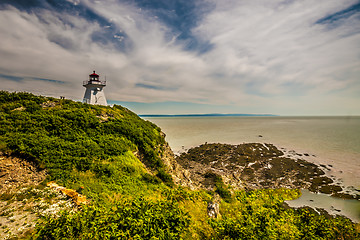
(165, 177)
(147, 177)
(221, 188)
(139, 218)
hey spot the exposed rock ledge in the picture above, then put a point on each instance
(16, 172)
(249, 166)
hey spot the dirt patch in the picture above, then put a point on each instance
(20, 210)
(23, 199)
(16, 172)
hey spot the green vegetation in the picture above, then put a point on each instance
(97, 149)
(135, 219)
(74, 141)
(221, 188)
(261, 215)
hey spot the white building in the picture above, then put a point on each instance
(94, 93)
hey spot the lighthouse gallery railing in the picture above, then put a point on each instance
(94, 82)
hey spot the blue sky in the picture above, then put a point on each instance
(282, 57)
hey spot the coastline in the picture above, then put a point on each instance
(333, 206)
(185, 133)
(347, 175)
(252, 166)
(333, 142)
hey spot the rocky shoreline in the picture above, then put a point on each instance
(254, 166)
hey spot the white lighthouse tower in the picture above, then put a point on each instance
(94, 93)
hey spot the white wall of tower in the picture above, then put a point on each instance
(94, 95)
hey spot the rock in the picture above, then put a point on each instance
(48, 104)
(19, 109)
(328, 189)
(345, 196)
(213, 210)
(77, 198)
(180, 175)
(213, 207)
(324, 213)
(334, 209)
(15, 171)
(324, 166)
(249, 166)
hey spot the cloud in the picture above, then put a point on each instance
(242, 54)
(280, 44)
(42, 46)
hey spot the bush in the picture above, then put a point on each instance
(140, 219)
(101, 169)
(221, 188)
(165, 177)
(147, 177)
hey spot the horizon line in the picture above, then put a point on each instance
(208, 115)
(238, 115)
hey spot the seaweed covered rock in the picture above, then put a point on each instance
(253, 166)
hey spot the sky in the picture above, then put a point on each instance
(283, 57)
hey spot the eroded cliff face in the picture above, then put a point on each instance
(248, 166)
(180, 175)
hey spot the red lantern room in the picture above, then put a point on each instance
(94, 77)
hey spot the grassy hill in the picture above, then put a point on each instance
(115, 159)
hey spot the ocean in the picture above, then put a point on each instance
(327, 140)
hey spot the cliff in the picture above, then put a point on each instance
(96, 150)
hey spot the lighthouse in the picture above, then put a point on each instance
(94, 93)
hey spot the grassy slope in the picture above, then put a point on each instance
(96, 148)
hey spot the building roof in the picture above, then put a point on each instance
(94, 74)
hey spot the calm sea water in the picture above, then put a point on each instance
(327, 140)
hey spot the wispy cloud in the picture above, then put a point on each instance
(243, 54)
(280, 44)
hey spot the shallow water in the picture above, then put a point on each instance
(334, 206)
